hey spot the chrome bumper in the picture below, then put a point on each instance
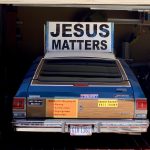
(128, 126)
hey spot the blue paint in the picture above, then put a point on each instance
(138, 93)
(27, 89)
(22, 91)
(75, 92)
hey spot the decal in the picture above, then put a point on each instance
(35, 102)
(89, 96)
(79, 36)
(121, 90)
(122, 96)
(60, 108)
(107, 103)
(34, 96)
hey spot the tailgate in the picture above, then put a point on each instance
(80, 88)
(80, 102)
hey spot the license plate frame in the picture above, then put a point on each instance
(81, 130)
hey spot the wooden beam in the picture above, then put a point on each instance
(78, 2)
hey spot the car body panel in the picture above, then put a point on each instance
(138, 93)
(39, 94)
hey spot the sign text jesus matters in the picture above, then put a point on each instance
(79, 36)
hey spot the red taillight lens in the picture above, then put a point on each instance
(141, 104)
(81, 84)
(18, 103)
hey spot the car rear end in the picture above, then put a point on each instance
(80, 96)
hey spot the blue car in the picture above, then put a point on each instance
(80, 93)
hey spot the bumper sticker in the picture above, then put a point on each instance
(107, 103)
(60, 108)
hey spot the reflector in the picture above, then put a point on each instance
(141, 104)
(80, 84)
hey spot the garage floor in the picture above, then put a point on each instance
(36, 141)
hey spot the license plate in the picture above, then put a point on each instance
(77, 130)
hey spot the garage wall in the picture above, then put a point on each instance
(32, 26)
(0, 25)
(123, 33)
(1, 63)
(32, 19)
(140, 46)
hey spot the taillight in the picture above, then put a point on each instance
(141, 104)
(81, 84)
(18, 103)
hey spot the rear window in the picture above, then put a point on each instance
(79, 70)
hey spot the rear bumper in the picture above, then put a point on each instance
(128, 126)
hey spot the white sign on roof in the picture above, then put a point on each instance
(79, 36)
(82, 54)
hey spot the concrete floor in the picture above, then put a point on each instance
(42, 141)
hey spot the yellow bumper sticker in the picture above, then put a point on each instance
(107, 103)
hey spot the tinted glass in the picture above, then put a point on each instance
(79, 70)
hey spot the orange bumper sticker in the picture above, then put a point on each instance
(60, 108)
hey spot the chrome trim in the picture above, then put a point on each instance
(99, 126)
(38, 68)
(123, 71)
(87, 86)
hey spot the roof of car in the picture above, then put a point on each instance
(79, 54)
